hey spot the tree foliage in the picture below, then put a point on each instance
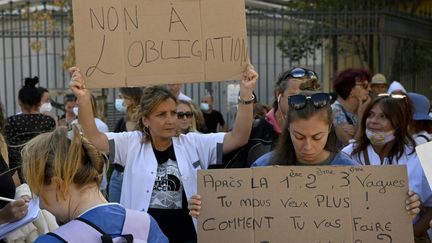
(336, 22)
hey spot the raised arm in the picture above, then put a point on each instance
(85, 113)
(239, 135)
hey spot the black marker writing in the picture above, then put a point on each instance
(92, 69)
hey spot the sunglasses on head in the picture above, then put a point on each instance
(300, 73)
(181, 114)
(318, 100)
(394, 96)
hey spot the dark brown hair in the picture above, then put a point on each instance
(346, 80)
(285, 152)
(399, 113)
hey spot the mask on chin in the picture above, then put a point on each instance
(119, 105)
(380, 138)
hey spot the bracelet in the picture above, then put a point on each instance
(246, 102)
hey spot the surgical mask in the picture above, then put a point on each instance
(380, 138)
(119, 105)
(75, 110)
(45, 108)
(204, 106)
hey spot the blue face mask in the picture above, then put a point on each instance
(119, 105)
(75, 110)
(204, 106)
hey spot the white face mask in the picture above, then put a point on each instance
(45, 108)
(119, 105)
(380, 138)
(75, 110)
(204, 106)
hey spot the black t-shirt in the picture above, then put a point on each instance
(20, 129)
(168, 204)
(7, 186)
(120, 125)
(212, 119)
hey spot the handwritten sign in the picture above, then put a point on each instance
(304, 204)
(141, 42)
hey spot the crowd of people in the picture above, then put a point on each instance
(139, 182)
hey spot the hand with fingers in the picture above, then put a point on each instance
(194, 206)
(14, 211)
(413, 204)
(362, 106)
(77, 83)
(349, 129)
(247, 85)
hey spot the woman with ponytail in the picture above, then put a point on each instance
(29, 123)
(66, 173)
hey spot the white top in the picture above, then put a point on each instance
(193, 151)
(100, 125)
(416, 178)
(422, 137)
(182, 96)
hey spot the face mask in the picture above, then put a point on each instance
(380, 138)
(119, 105)
(45, 108)
(204, 106)
(75, 110)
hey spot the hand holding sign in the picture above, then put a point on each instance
(194, 206)
(413, 204)
(77, 83)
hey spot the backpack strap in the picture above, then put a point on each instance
(57, 237)
(104, 237)
(137, 223)
(136, 228)
(68, 232)
(349, 120)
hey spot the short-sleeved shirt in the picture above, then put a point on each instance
(22, 128)
(339, 116)
(168, 204)
(193, 151)
(212, 120)
(338, 159)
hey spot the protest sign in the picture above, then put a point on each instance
(425, 157)
(141, 42)
(304, 204)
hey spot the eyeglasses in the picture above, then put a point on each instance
(181, 114)
(394, 96)
(364, 85)
(318, 100)
(300, 73)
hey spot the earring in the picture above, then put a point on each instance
(147, 130)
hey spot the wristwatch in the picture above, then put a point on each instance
(246, 102)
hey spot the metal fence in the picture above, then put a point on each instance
(396, 44)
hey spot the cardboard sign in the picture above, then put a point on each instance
(425, 157)
(304, 204)
(141, 42)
